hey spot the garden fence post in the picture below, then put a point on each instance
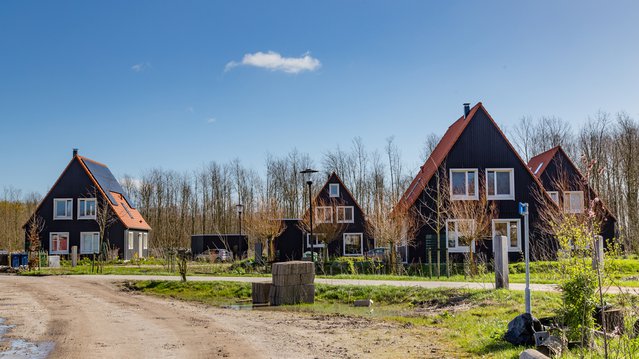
(501, 262)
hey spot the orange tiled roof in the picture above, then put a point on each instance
(130, 217)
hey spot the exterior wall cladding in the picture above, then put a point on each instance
(482, 145)
(74, 183)
(561, 167)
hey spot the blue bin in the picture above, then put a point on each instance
(24, 259)
(15, 260)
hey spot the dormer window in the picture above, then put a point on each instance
(333, 189)
(463, 184)
(63, 208)
(87, 208)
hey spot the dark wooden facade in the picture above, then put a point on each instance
(291, 246)
(75, 183)
(558, 173)
(473, 142)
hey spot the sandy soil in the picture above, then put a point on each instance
(96, 317)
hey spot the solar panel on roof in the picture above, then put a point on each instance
(106, 180)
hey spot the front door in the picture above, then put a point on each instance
(140, 253)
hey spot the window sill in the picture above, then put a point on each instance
(62, 218)
(459, 250)
(353, 255)
(93, 218)
(500, 198)
(346, 222)
(58, 252)
(464, 198)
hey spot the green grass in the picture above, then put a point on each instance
(626, 274)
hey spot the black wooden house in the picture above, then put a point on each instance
(569, 188)
(473, 149)
(337, 214)
(73, 204)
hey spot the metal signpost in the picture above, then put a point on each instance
(523, 211)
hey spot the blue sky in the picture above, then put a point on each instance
(142, 84)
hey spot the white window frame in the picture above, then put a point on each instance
(318, 243)
(508, 221)
(361, 244)
(511, 195)
(568, 201)
(51, 251)
(85, 200)
(130, 240)
(554, 195)
(331, 187)
(68, 207)
(458, 248)
(464, 196)
(319, 219)
(145, 239)
(343, 210)
(95, 243)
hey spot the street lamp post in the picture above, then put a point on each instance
(307, 173)
(240, 208)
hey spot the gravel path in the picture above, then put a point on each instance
(91, 316)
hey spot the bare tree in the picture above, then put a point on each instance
(265, 225)
(393, 229)
(435, 208)
(104, 217)
(34, 227)
(474, 222)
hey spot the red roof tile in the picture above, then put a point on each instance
(539, 163)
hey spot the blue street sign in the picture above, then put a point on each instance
(523, 209)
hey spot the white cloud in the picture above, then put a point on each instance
(211, 120)
(141, 66)
(275, 62)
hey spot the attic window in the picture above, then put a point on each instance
(539, 167)
(333, 189)
(87, 208)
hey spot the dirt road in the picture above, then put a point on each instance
(84, 316)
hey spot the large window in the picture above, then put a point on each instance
(353, 244)
(89, 242)
(463, 184)
(86, 208)
(63, 208)
(500, 183)
(510, 229)
(554, 195)
(345, 214)
(324, 214)
(318, 238)
(333, 189)
(59, 243)
(459, 233)
(130, 241)
(145, 241)
(573, 202)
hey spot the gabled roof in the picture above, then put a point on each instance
(110, 188)
(539, 163)
(440, 153)
(331, 179)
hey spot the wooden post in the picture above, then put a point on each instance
(74, 256)
(430, 264)
(501, 262)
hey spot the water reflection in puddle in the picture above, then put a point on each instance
(19, 348)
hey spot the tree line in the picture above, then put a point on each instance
(177, 205)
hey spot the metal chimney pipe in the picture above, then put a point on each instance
(466, 109)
